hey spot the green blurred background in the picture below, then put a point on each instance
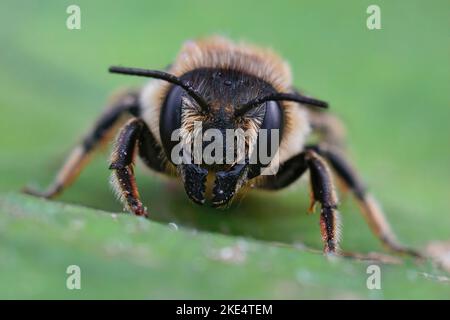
(390, 87)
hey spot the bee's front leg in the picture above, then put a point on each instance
(122, 162)
(367, 203)
(322, 191)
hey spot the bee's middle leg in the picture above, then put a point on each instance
(123, 105)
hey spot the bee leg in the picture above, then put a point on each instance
(322, 191)
(288, 172)
(125, 104)
(122, 162)
(368, 205)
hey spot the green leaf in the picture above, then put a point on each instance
(122, 256)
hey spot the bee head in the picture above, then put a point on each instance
(222, 124)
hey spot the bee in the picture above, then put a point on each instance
(225, 85)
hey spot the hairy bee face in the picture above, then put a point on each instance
(218, 142)
(215, 87)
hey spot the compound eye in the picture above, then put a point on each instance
(269, 136)
(170, 118)
(273, 118)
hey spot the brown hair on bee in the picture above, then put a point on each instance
(228, 76)
(225, 86)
